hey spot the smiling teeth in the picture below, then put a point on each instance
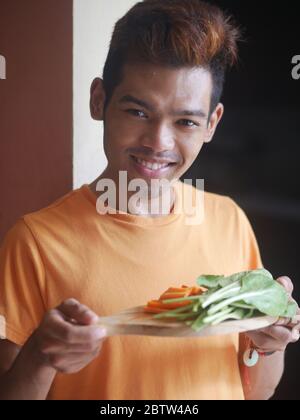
(152, 166)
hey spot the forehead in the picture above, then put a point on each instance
(166, 85)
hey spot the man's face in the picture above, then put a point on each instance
(157, 121)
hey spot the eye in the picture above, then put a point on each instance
(188, 123)
(136, 113)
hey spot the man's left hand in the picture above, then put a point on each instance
(280, 335)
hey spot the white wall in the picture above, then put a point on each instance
(93, 25)
(2, 67)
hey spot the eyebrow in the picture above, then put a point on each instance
(132, 99)
(144, 104)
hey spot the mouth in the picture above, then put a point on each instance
(152, 168)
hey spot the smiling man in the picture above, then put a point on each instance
(61, 267)
(156, 121)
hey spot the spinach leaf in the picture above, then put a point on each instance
(265, 294)
(209, 281)
(239, 296)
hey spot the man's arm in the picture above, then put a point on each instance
(260, 382)
(23, 375)
(8, 354)
(67, 340)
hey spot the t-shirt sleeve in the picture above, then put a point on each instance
(22, 277)
(251, 260)
(249, 249)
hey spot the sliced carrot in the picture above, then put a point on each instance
(198, 290)
(192, 291)
(158, 306)
(154, 303)
(166, 296)
(155, 310)
(176, 290)
(174, 305)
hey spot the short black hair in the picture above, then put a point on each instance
(176, 34)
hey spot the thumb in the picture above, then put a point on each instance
(286, 282)
(75, 312)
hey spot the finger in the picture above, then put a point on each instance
(266, 343)
(279, 333)
(296, 334)
(287, 283)
(275, 338)
(71, 334)
(262, 340)
(290, 322)
(74, 310)
(296, 327)
(73, 362)
(287, 322)
(60, 347)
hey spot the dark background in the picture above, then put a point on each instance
(254, 157)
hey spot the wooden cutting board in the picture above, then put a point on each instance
(135, 321)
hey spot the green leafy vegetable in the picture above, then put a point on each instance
(236, 297)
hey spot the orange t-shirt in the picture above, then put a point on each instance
(114, 262)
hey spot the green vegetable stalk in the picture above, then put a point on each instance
(240, 296)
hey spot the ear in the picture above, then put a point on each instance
(97, 100)
(215, 118)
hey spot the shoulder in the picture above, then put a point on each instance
(216, 206)
(220, 215)
(61, 206)
(59, 216)
(18, 235)
(229, 212)
(54, 218)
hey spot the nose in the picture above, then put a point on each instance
(159, 137)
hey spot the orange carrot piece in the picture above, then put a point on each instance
(173, 305)
(166, 296)
(155, 310)
(198, 290)
(176, 290)
(157, 306)
(154, 303)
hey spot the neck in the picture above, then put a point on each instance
(150, 204)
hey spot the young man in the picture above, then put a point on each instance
(160, 102)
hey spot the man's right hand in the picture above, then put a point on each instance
(68, 338)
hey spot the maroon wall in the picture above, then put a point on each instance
(35, 105)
